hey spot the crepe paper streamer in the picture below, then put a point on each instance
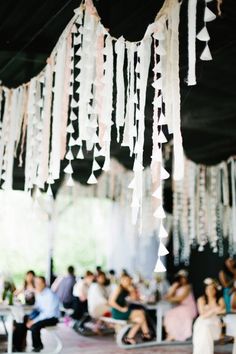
(209, 15)
(70, 182)
(80, 154)
(160, 213)
(206, 54)
(203, 35)
(159, 268)
(68, 169)
(69, 155)
(192, 20)
(162, 251)
(120, 100)
(96, 166)
(92, 179)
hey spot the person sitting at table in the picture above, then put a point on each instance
(63, 287)
(46, 313)
(28, 289)
(207, 327)
(180, 294)
(98, 295)
(80, 294)
(227, 276)
(121, 311)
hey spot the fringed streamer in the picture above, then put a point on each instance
(204, 208)
(203, 35)
(192, 19)
(78, 79)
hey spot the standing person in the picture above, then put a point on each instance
(63, 287)
(180, 294)
(207, 327)
(28, 290)
(121, 311)
(80, 294)
(227, 276)
(46, 313)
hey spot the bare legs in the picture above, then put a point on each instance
(140, 322)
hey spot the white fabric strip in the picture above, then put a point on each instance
(192, 19)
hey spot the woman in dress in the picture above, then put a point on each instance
(178, 320)
(28, 289)
(121, 311)
(207, 327)
(98, 294)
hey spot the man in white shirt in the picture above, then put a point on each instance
(46, 313)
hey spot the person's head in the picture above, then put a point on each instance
(40, 284)
(71, 270)
(89, 277)
(211, 288)
(102, 279)
(125, 281)
(112, 273)
(124, 272)
(29, 277)
(182, 277)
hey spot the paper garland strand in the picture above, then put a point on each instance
(204, 208)
(78, 78)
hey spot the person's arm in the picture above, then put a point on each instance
(113, 303)
(223, 280)
(180, 298)
(205, 312)
(171, 292)
(17, 292)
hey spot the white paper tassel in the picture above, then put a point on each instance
(161, 137)
(203, 35)
(206, 54)
(209, 15)
(72, 141)
(80, 154)
(158, 193)
(73, 116)
(68, 169)
(160, 213)
(92, 179)
(69, 155)
(162, 232)
(159, 268)
(162, 251)
(70, 128)
(96, 166)
(70, 181)
(164, 173)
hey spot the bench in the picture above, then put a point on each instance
(52, 330)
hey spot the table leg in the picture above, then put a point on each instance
(10, 335)
(159, 325)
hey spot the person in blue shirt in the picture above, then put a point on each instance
(46, 313)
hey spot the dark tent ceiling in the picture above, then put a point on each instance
(30, 29)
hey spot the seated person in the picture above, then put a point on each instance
(98, 295)
(121, 311)
(207, 327)
(28, 290)
(180, 294)
(80, 294)
(46, 313)
(63, 287)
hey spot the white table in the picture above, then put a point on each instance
(8, 312)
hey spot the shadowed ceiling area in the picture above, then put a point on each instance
(29, 30)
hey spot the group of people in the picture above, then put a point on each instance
(104, 294)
